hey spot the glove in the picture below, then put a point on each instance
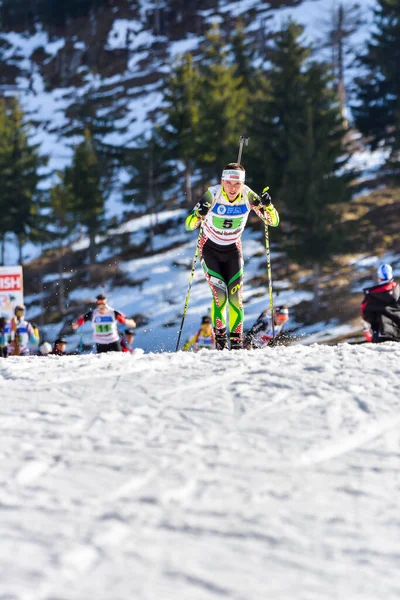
(265, 198)
(202, 208)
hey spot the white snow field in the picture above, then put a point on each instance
(258, 475)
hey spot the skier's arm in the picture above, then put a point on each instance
(199, 212)
(121, 318)
(259, 326)
(187, 345)
(82, 319)
(130, 323)
(263, 207)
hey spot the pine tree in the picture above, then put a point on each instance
(103, 120)
(84, 180)
(377, 106)
(20, 164)
(181, 111)
(243, 58)
(152, 173)
(342, 22)
(305, 155)
(6, 136)
(222, 106)
(277, 109)
(63, 223)
(316, 188)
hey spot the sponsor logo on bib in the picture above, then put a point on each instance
(230, 211)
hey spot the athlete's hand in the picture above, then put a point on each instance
(265, 198)
(202, 208)
(74, 325)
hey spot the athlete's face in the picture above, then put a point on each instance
(102, 306)
(279, 318)
(232, 188)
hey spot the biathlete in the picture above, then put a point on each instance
(262, 333)
(105, 321)
(222, 213)
(204, 339)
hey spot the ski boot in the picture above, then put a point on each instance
(221, 339)
(236, 340)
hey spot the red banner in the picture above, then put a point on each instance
(11, 283)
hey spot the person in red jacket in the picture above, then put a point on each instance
(105, 321)
(380, 308)
(127, 340)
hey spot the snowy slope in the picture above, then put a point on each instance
(237, 475)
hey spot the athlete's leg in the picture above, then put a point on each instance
(234, 270)
(212, 270)
(236, 313)
(111, 347)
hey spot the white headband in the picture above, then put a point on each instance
(233, 175)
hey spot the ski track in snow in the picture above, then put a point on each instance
(237, 475)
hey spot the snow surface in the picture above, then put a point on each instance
(257, 475)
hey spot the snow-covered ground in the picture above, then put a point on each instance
(255, 475)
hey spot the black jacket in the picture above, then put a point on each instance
(381, 308)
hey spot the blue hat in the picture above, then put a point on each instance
(385, 272)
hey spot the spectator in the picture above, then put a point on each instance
(59, 347)
(204, 338)
(3, 339)
(380, 308)
(127, 340)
